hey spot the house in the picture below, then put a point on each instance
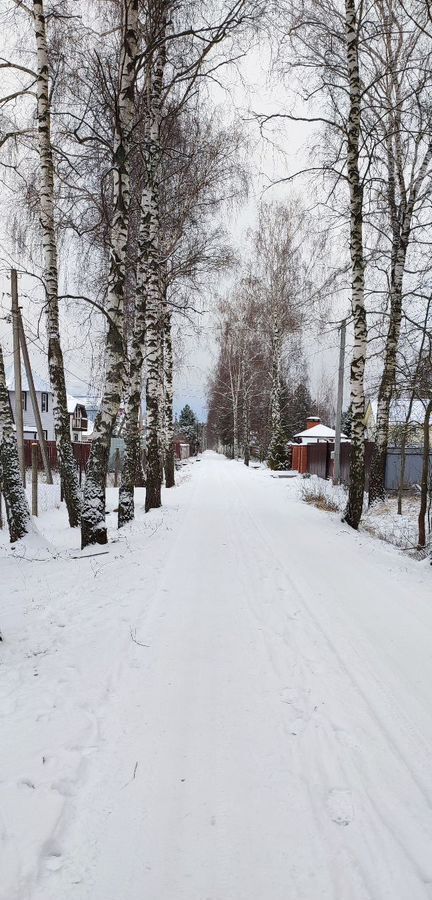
(317, 433)
(44, 396)
(78, 419)
(399, 413)
(44, 400)
(181, 449)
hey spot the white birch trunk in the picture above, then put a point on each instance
(354, 507)
(169, 397)
(131, 471)
(235, 376)
(246, 385)
(275, 398)
(68, 469)
(93, 528)
(152, 265)
(17, 508)
(235, 427)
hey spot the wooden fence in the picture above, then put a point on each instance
(320, 462)
(81, 454)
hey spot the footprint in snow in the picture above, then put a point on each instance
(299, 708)
(340, 806)
(53, 856)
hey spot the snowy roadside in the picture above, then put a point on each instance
(69, 624)
(381, 521)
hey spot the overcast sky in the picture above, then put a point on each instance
(256, 92)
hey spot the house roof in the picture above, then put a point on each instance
(318, 431)
(399, 411)
(39, 383)
(73, 402)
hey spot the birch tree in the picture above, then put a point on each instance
(232, 359)
(46, 211)
(319, 57)
(401, 96)
(152, 264)
(131, 471)
(354, 506)
(93, 528)
(278, 242)
(17, 508)
(169, 455)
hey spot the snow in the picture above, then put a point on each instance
(381, 519)
(72, 403)
(41, 386)
(318, 432)
(233, 702)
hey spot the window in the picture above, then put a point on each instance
(44, 402)
(24, 400)
(76, 437)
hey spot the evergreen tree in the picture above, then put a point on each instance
(279, 456)
(297, 408)
(188, 425)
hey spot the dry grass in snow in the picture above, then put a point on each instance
(381, 520)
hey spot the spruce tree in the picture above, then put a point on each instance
(188, 425)
(298, 407)
(278, 454)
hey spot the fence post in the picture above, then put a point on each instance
(35, 462)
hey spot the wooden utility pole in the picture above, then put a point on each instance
(35, 462)
(19, 418)
(337, 450)
(37, 415)
(117, 466)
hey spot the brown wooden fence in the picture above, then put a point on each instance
(320, 460)
(81, 454)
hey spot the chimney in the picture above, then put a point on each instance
(311, 421)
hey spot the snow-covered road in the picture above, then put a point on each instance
(268, 734)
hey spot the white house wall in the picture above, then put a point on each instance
(29, 417)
